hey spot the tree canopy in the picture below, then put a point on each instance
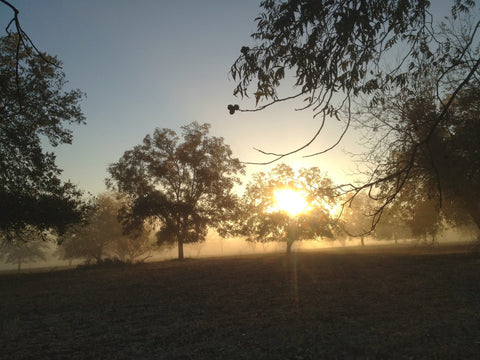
(331, 46)
(351, 60)
(441, 171)
(260, 218)
(34, 107)
(30, 248)
(101, 235)
(182, 186)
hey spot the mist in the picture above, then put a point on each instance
(216, 246)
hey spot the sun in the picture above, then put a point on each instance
(291, 201)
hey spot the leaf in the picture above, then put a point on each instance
(280, 73)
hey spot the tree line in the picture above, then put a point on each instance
(419, 117)
(120, 228)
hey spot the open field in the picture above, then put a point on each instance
(330, 304)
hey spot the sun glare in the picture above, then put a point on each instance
(290, 201)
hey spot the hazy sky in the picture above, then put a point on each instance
(157, 63)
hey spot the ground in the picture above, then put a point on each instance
(350, 304)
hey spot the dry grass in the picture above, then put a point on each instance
(351, 304)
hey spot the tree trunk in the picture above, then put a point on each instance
(180, 248)
(289, 247)
(362, 240)
(474, 211)
(19, 265)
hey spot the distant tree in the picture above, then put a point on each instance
(261, 220)
(394, 224)
(19, 251)
(130, 247)
(426, 220)
(184, 187)
(34, 107)
(94, 239)
(356, 218)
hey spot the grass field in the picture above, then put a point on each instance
(348, 304)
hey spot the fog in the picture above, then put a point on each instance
(216, 246)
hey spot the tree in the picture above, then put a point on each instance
(93, 239)
(101, 235)
(355, 219)
(20, 252)
(426, 220)
(394, 224)
(184, 187)
(337, 51)
(458, 159)
(441, 180)
(130, 247)
(33, 107)
(261, 219)
(339, 46)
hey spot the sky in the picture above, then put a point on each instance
(164, 64)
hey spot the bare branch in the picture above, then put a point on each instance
(349, 117)
(23, 37)
(280, 156)
(271, 103)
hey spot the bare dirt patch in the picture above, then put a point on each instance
(352, 304)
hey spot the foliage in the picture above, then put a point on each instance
(363, 55)
(336, 46)
(101, 235)
(92, 239)
(441, 171)
(130, 247)
(29, 248)
(108, 262)
(183, 187)
(34, 107)
(394, 224)
(459, 172)
(259, 220)
(426, 219)
(355, 217)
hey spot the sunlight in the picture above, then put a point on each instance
(333, 210)
(290, 201)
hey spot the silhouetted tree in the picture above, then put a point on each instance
(132, 247)
(394, 224)
(442, 181)
(260, 220)
(34, 105)
(342, 52)
(426, 220)
(184, 187)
